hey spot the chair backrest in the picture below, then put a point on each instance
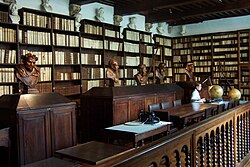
(165, 105)
(209, 112)
(220, 108)
(155, 106)
(230, 105)
(177, 102)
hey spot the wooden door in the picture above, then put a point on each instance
(63, 127)
(34, 136)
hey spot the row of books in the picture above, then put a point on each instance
(67, 57)
(202, 69)
(112, 45)
(92, 29)
(112, 33)
(181, 52)
(202, 51)
(199, 44)
(167, 52)
(34, 37)
(44, 87)
(6, 89)
(226, 74)
(146, 38)
(7, 34)
(204, 38)
(132, 35)
(45, 74)
(92, 73)
(163, 41)
(91, 43)
(63, 76)
(7, 56)
(44, 58)
(65, 40)
(7, 75)
(132, 61)
(32, 19)
(146, 49)
(202, 63)
(127, 73)
(91, 59)
(63, 24)
(4, 17)
(225, 42)
(131, 47)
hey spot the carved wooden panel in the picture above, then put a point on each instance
(121, 114)
(34, 136)
(136, 105)
(150, 100)
(63, 127)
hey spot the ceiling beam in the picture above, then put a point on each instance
(159, 17)
(150, 5)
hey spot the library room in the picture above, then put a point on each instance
(125, 83)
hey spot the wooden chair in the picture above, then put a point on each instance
(177, 103)
(209, 112)
(155, 106)
(165, 105)
(5, 141)
(230, 105)
(220, 108)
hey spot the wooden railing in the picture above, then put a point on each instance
(222, 140)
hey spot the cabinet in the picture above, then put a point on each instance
(108, 106)
(39, 125)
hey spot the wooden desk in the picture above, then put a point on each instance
(91, 152)
(181, 115)
(136, 132)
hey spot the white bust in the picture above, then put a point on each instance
(117, 19)
(132, 23)
(45, 6)
(160, 29)
(99, 14)
(74, 10)
(14, 17)
(148, 27)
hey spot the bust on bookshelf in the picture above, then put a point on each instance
(148, 27)
(46, 6)
(99, 14)
(28, 73)
(132, 23)
(112, 73)
(160, 29)
(141, 77)
(189, 71)
(13, 13)
(160, 73)
(74, 11)
(117, 20)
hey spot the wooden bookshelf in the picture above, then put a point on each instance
(100, 42)
(163, 53)
(181, 54)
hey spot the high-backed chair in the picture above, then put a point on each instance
(165, 105)
(154, 106)
(177, 102)
(220, 108)
(209, 112)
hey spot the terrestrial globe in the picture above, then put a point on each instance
(234, 94)
(216, 92)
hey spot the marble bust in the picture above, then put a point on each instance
(45, 6)
(14, 17)
(148, 27)
(74, 10)
(117, 20)
(99, 14)
(132, 23)
(160, 29)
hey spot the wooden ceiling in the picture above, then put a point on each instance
(177, 12)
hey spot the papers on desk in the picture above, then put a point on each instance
(138, 127)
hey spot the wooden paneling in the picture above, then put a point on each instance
(136, 105)
(121, 115)
(34, 135)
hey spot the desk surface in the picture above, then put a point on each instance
(189, 109)
(137, 127)
(92, 152)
